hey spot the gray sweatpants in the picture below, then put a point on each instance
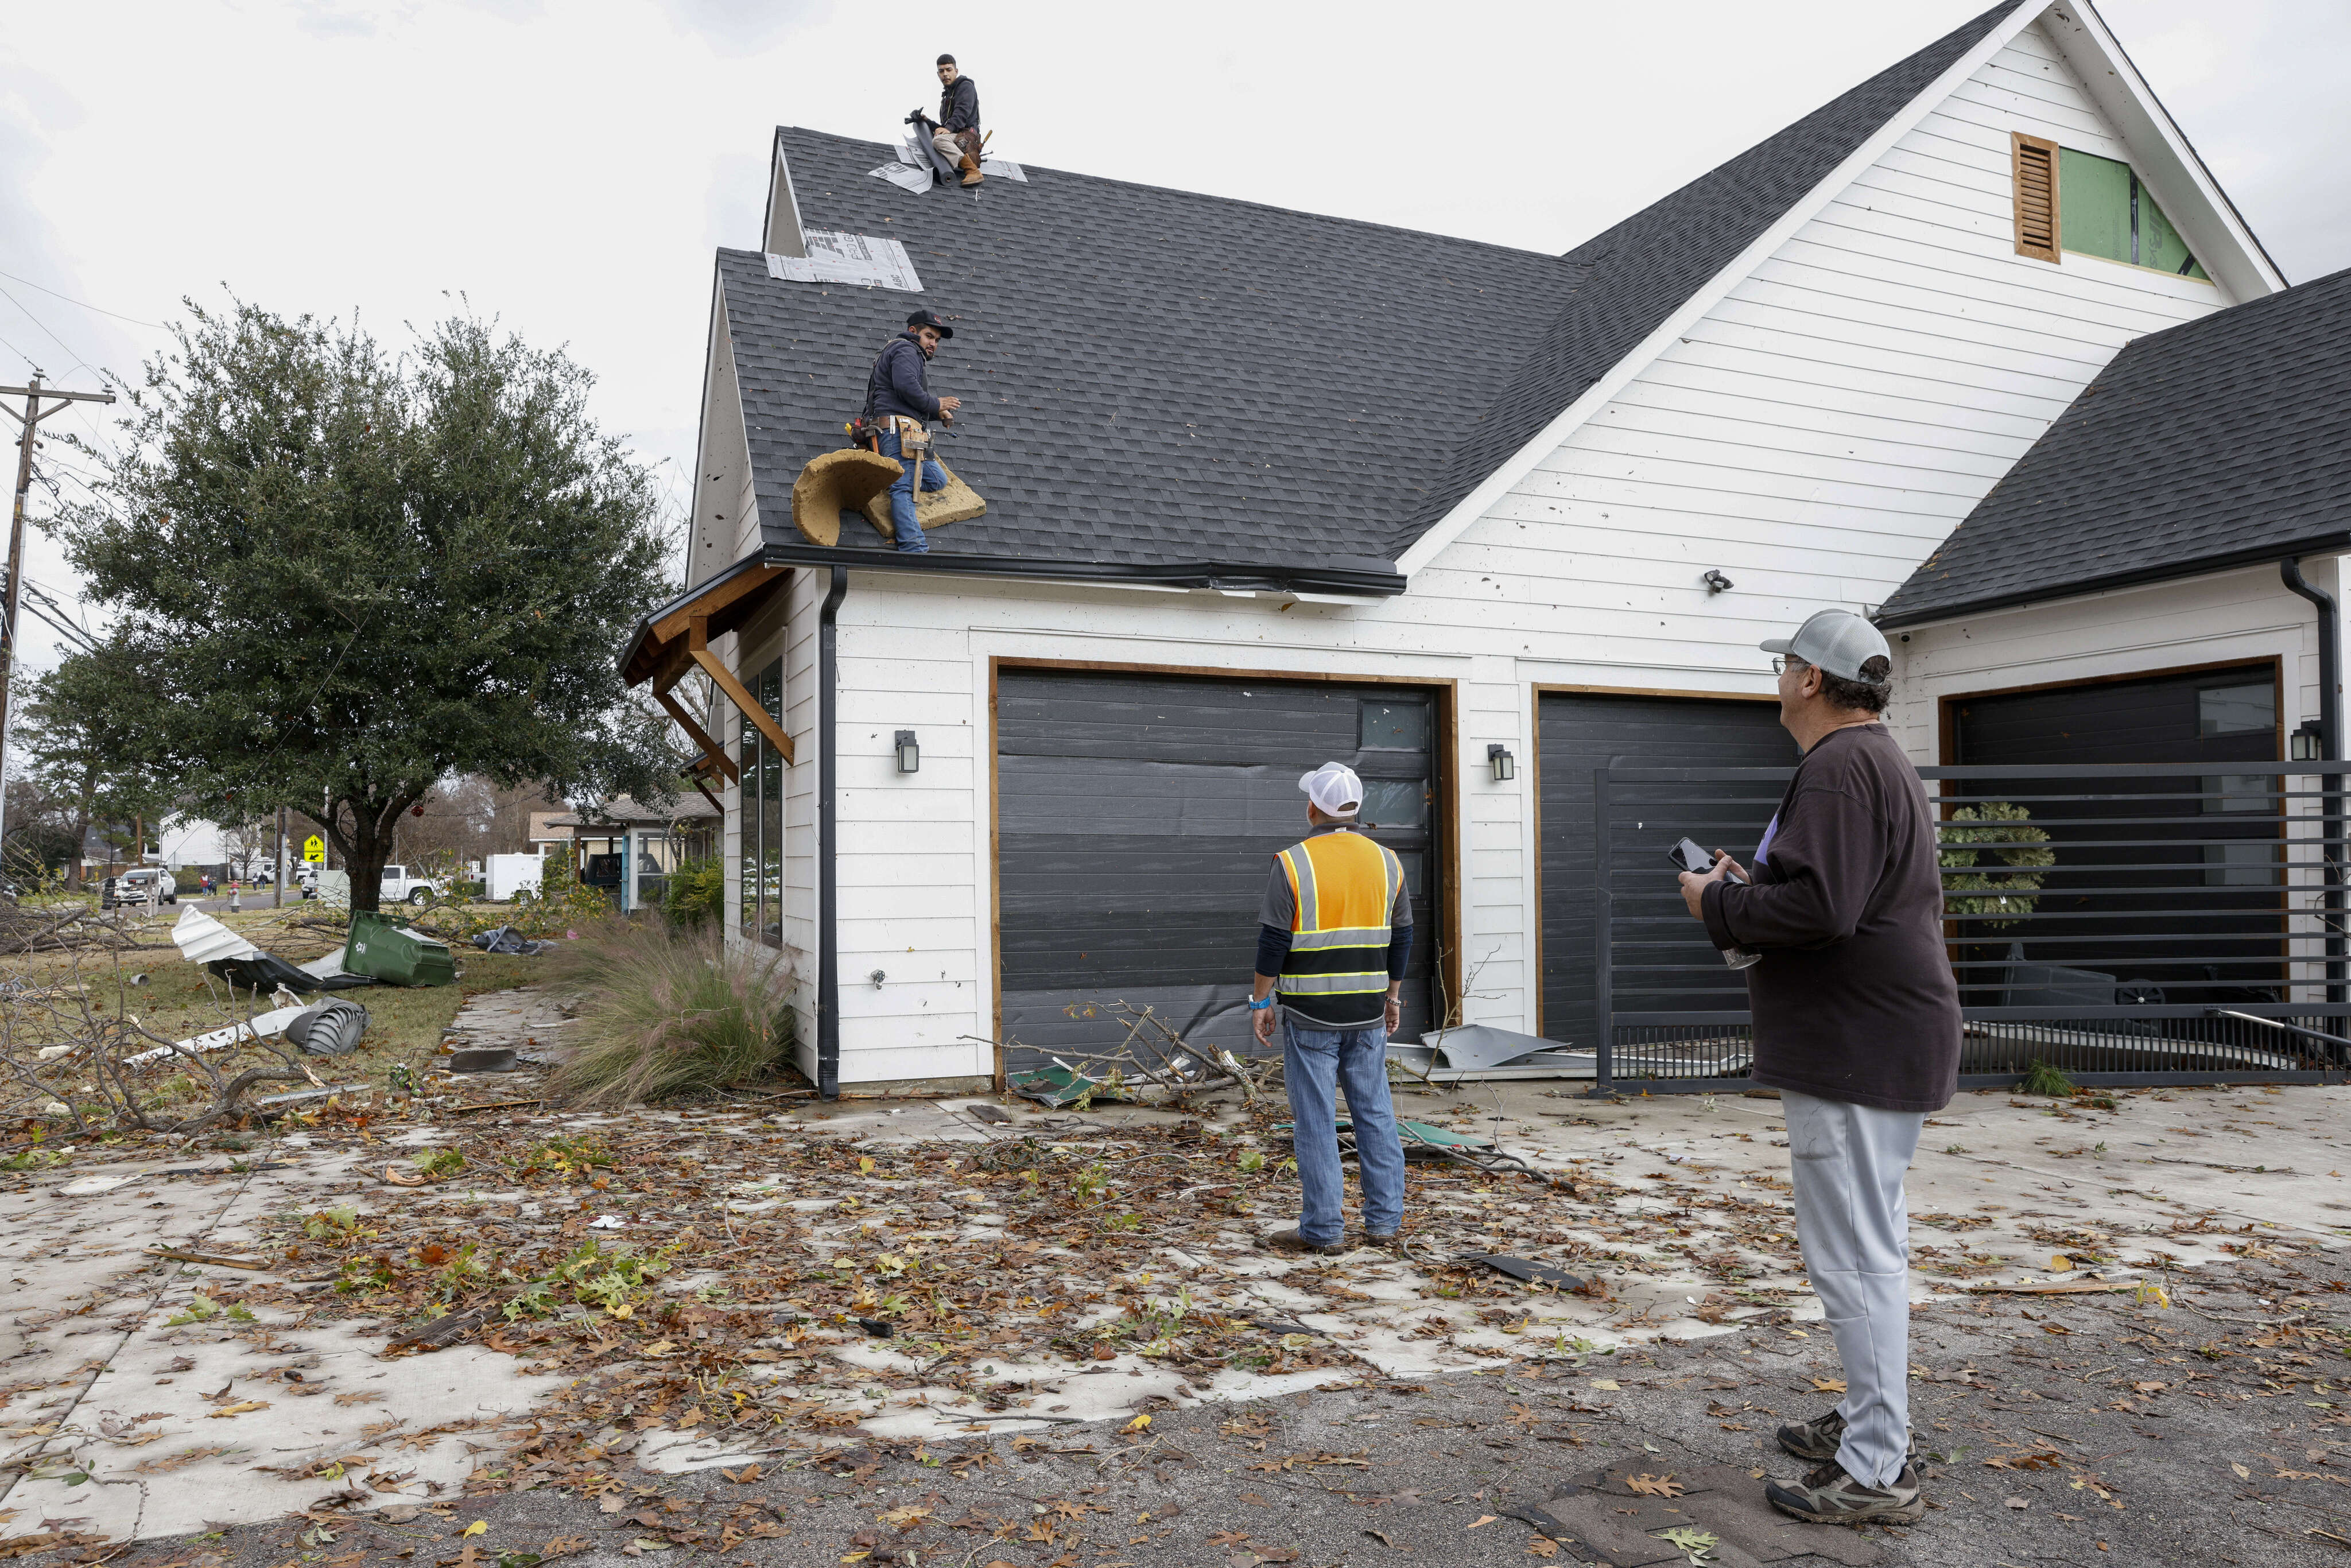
(1848, 1163)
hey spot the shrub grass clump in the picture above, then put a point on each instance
(665, 1013)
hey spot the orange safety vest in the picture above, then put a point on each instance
(1342, 886)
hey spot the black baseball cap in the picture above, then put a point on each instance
(929, 319)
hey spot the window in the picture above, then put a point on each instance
(761, 801)
(2072, 201)
(1401, 725)
(2237, 710)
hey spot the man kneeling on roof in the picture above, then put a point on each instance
(897, 401)
(957, 137)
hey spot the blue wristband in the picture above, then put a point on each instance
(1258, 1007)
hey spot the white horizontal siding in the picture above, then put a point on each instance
(1814, 436)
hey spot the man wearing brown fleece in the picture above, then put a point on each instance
(1857, 1025)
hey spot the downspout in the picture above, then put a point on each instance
(2330, 750)
(828, 926)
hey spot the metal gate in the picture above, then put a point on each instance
(2124, 923)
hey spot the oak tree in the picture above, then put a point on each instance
(340, 575)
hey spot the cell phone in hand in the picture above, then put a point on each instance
(1690, 855)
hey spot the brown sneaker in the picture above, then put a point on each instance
(1829, 1496)
(1820, 1438)
(1290, 1240)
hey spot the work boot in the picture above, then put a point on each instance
(1386, 1238)
(971, 174)
(1829, 1496)
(1820, 1438)
(1290, 1240)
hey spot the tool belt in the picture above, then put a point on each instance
(866, 430)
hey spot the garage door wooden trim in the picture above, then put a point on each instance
(1446, 691)
(1537, 691)
(1947, 708)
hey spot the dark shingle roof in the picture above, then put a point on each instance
(2224, 441)
(1148, 376)
(1154, 377)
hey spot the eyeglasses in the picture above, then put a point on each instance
(1781, 663)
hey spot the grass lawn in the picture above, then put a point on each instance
(178, 998)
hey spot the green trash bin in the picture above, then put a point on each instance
(387, 951)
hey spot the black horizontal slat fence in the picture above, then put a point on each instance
(2122, 923)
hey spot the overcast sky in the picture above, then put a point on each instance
(569, 168)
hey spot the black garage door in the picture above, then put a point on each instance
(2219, 939)
(1581, 731)
(1136, 821)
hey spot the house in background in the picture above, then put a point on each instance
(630, 848)
(1267, 489)
(551, 831)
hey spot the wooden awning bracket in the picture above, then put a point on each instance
(697, 642)
(679, 642)
(714, 757)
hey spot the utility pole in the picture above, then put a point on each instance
(34, 413)
(278, 875)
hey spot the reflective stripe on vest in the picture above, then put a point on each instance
(1344, 885)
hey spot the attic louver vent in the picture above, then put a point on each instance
(836, 258)
(2036, 196)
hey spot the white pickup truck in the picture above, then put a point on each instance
(399, 887)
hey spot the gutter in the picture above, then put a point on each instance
(2330, 750)
(2330, 543)
(828, 922)
(1364, 576)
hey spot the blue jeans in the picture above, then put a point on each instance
(902, 497)
(1316, 1062)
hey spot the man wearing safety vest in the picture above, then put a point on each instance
(1334, 935)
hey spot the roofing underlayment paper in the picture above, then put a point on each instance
(835, 257)
(904, 175)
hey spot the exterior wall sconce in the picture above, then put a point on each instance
(2304, 742)
(1505, 766)
(910, 756)
(1716, 582)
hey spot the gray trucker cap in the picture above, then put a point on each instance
(1836, 641)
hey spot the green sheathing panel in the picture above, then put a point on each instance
(2100, 203)
(2159, 244)
(2093, 204)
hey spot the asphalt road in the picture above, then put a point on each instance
(2124, 1433)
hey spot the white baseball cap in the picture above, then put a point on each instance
(1836, 641)
(1335, 789)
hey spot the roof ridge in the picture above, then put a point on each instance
(886, 149)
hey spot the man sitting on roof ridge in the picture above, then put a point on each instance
(957, 136)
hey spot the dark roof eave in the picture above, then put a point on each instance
(645, 623)
(2333, 542)
(1371, 579)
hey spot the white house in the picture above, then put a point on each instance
(1266, 488)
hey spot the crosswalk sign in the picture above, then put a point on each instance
(314, 849)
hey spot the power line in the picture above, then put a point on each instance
(79, 360)
(83, 303)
